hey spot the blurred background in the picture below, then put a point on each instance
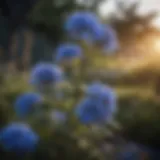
(136, 23)
(133, 71)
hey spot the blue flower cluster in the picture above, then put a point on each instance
(81, 24)
(27, 103)
(19, 138)
(99, 104)
(45, 74)
(86, 26)
(68, 52)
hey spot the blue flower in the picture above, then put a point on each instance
(105, 37)
(91, 111)
(95, 89)
(68, 52)
(19, 138)
(80, 24)
(46, 74)
(27, 103)
(104, 101)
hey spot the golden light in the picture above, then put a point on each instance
(156, 45)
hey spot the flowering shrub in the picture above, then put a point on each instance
(58, 116)
(48, 107)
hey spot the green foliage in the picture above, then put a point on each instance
(64, 146)
(48, 15)
(138, 117)
(68, 142)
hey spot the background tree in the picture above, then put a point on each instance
(131, 26)
(48, 16)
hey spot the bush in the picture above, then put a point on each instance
(68, 142)
(88, 125)
(138, 117)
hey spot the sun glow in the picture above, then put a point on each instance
(156, 44)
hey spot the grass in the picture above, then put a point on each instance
(143, 92)
(21, 83)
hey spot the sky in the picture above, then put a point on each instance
(146, 6)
